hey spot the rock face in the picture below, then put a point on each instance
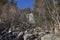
(50, 11)
(9, 14)
(42, 6)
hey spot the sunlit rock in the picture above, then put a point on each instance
(26, 36)
(50, 37)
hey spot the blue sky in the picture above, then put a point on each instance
(22, 4)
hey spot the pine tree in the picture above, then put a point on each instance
(2, 2)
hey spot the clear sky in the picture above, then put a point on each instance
(22, 4)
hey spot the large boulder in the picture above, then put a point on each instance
(50, 37)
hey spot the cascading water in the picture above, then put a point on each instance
(30, 18)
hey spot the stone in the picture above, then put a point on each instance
(50, 37)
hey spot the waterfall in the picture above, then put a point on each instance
(30, 18)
